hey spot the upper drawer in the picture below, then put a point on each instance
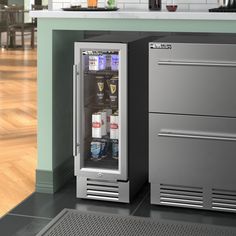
(203, 86)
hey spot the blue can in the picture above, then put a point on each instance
(95, 150)
(102, 62)
(115, 149)
(114, 62)
(104, 149)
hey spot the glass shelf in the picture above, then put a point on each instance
(101, 72)
(101, 107)
(104, 163)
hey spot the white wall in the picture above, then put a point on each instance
(27, 5)
(143, 4)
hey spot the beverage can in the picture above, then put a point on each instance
(108, 114)
(97, 125)
(95, 150)
(94, 62)
(114, 126)
(100, 91)
(104, 148)
(108, 61)
(115, 149)
(107, 89)
(113, 91)
(104, 122)
(102, 62)
(114, 62)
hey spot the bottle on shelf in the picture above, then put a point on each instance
(155, 5)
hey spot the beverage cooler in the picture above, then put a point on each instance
(110, 117)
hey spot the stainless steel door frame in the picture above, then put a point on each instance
(122, 172)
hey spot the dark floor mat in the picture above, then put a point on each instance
(72, 222)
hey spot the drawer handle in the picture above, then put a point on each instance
(198, 63)
(195, 135)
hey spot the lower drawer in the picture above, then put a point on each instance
(192, 151)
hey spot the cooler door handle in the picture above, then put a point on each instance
(198, 63)
(196, 135)
(75, 110)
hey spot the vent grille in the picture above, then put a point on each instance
(181, 196)
(224, 200)
(102, 190)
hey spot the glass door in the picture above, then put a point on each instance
(102, 81)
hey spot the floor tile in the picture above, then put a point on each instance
(21, 225)
(185, 214)
(49, 205)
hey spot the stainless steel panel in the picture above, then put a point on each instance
(193, 79)
(189, 161)
(103, 190)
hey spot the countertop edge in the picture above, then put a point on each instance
(135, 14)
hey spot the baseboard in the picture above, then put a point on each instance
(44, 181)
(50, 181)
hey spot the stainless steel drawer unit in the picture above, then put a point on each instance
(192, 125)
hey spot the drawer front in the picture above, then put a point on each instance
(192, 151)
(203, 86)
(194, 51)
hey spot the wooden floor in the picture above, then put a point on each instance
(18, 123)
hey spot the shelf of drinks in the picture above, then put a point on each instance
(103, 150)
(101, 72)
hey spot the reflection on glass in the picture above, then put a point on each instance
(101, 109)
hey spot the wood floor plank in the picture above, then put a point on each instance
(18, 126)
